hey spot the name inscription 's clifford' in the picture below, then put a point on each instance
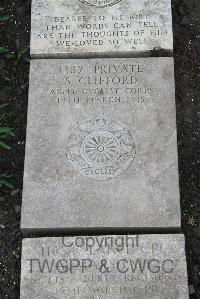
(101, 148)
(100, 3)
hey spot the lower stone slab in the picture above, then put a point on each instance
(115, 266)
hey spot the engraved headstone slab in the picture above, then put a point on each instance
(101, 147)
(107, 267)
(100, 27)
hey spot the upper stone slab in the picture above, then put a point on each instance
(100, 27)
(101, 147)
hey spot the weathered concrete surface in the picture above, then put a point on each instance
(75, 28)
(101, 149)
(106, 267)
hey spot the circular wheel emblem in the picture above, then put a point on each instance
(101, 148)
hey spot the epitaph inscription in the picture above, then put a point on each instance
(101, 148)
(107, 27)
(109, 267)
(100, 3)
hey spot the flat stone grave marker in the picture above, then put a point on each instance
(105, 267)
(101, 149)
(100, 27)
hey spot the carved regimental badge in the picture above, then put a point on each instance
(100, 3)
(101, 148)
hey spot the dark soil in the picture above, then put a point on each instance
(186, 16)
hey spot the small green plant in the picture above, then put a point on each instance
(16, 55)
(4, 18)
(8, 57)
(4, 184)
(4, 54)
(4, 76)
(5, 132)
(21, 52)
